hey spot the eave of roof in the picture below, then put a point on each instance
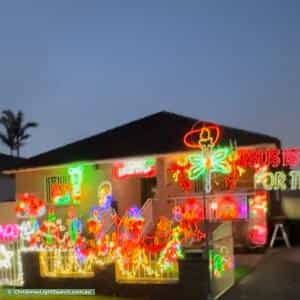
(159, 133)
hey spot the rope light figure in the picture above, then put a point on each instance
(189, 215)
(210, 159)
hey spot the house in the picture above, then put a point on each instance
(164, 175)
(134, 161)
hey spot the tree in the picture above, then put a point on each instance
(16, 130)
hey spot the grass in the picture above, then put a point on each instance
(5, 296)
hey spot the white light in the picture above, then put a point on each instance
(5, 257)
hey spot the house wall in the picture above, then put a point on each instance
(7, 187)
(126, 192)
(7, 213)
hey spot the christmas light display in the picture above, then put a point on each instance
(29, 205)
(61, 194)
(137, 167)
(258, 234)
(74, 224)
(230, 207)
(76, 176)
(260, 175)
(189, 215)
(210, 159)
(249, 158)
(9, 232)
(28, 229)
(179, 171)
(220, 262)
(257, 230)
(60, 263)
(5, 257)
(199, 138)
(11, 272)
(278, 181)
(146, 259)
(231, 179)
(207, 162)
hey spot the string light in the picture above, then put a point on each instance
(11, 271)
(257, 231)
(29, 205)
(5, 257)
(179, 171)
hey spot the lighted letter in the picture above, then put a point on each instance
(268, 181)
(280, 181)
(295, 180)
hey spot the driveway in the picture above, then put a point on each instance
(276, 277)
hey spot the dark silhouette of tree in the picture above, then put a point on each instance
(15, 130)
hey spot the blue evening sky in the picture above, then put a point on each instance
(80, 67)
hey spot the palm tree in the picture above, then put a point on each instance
(15, 130)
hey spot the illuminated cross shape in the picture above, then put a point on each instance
(5, 257)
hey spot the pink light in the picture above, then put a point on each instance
(9, 232)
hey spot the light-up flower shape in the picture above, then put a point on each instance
(209, 161)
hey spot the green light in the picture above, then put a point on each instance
(76, 175)
(212, 161)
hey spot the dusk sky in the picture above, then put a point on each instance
(81, 67)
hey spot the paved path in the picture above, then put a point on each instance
(277, 277)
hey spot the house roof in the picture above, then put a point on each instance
(9, 161)
(158, 133)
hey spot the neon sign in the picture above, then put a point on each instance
(279, 180)
(29, 205)
(273, 157)
(179, 171)
(76, 175)
(198, 138)
(9, 232)
(61, 194)
(209, 160)
(143, 167)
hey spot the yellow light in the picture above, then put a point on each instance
(58, 263)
